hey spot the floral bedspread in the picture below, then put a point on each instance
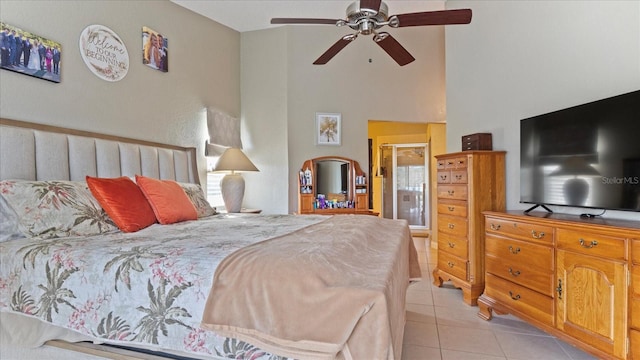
(146, 288)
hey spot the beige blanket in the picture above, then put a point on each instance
(335, 289)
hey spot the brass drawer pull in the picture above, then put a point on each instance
(460, 162)
(450, 192)
(451, 264)
(451, 245)
(443, 177)
(514, 273)
(495, 227)
(451, 208)
(451, 226)
(537, 235)
(559, 289)
(514, 251)
(458, 177)
(516, 297)
(584, 245)
(449, 162)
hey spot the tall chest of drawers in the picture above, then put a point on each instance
(469, 183)
(576, 278)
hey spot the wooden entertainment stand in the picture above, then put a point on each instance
(576, 278)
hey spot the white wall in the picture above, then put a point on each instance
(519, 59)
(264, 117)
(204, 70)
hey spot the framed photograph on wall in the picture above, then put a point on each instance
(328, 128)
(29, 54)
(155, 50)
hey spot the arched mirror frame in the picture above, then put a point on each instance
(357, 192)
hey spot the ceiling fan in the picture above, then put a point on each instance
(367, 16)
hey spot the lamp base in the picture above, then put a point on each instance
(232, 188)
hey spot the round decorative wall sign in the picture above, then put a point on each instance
(104, 52)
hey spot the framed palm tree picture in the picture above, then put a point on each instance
(328, 127)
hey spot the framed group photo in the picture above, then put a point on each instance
(29, 54)
(328, 128)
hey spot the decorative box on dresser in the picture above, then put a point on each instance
(575, 278)
(469, 183)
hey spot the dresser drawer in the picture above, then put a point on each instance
(520, 252)
(444, 176)
(455, 192)
(440, 165)
(453, 245)
(517, 272)
(452, 265)
(529, 302)
(458, 176)
(452, 207)
(454, 225)
(521, 230)
(592, 244)
(456, 163)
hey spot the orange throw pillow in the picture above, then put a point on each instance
(123, 201)
(167, 199)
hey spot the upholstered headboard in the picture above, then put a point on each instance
(32, 151)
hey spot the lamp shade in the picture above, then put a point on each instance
(232, 185)
(234, 160)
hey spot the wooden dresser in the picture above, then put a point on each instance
(469, 183)
(578, 279)
(343, 176)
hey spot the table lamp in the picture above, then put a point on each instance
(232, 185)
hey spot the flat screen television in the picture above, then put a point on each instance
(584, 156)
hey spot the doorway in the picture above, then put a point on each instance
(405, 175)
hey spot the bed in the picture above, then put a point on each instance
(285, 286)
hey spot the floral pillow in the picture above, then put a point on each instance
(53, 209)
(9, 221)
(196, 195)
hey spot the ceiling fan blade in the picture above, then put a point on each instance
(389, 44)
(443, 17)
(370, 4)
(304, 21)
(334, 49)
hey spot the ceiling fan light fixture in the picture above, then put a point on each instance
(366, 20)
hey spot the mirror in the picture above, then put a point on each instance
(332, 179)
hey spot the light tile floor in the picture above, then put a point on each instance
(441, 326)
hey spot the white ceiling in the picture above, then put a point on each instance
(249, 15)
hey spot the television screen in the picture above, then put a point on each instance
(584, 156)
